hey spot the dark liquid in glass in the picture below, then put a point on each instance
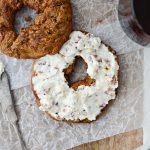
(142, 13)
(134, 17)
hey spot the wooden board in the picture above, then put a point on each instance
(125, 141)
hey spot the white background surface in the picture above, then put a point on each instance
(146, 123)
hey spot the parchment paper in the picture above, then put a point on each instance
(123, 114)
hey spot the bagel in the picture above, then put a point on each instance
(49, 32)
(84, 100)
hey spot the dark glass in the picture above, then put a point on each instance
(134, 17)
(141, 10)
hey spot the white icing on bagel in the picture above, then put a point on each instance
(51, 87)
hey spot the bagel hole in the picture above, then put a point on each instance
(24, 17)
(76, 74)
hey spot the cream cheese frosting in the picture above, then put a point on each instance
(51, 87)
(1, 68)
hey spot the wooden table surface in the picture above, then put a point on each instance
(125, 141)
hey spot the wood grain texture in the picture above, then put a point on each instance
(125, 141)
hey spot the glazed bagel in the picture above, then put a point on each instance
(50, 30)
(84, 100)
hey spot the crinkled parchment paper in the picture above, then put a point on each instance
(123, 114)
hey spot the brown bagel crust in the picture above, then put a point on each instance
(49, 32)
(87, 82)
